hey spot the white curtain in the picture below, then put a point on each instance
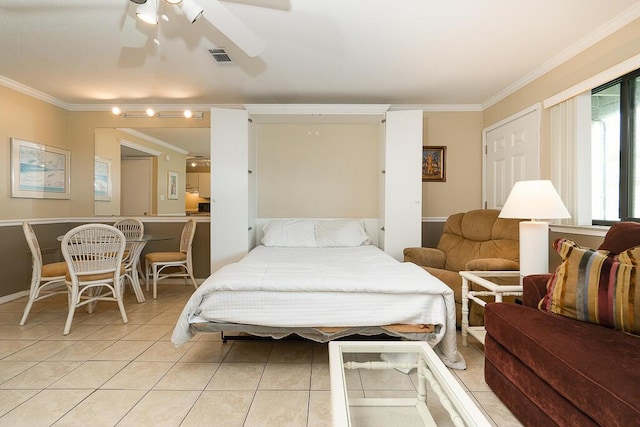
(571, 156)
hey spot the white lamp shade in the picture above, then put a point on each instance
(536, 199)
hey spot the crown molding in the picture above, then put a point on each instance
(599, 34)
(146, 137)
(316, 108)
(19, 87)
(140, 107)
(438, 108)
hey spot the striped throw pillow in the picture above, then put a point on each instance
(596, 286)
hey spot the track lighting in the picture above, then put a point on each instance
(150, 112)
(148, 12)
(191, 9)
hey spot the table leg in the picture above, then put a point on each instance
(465, 310)
(136, 249)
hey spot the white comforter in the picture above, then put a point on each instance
(348, 272)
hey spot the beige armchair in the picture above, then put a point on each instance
(475, 240)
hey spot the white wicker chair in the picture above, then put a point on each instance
(157, 261)
(133, 230)
(46, 279)
(93, 253)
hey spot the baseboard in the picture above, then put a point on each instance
(15, 296)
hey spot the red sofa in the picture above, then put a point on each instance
(553, 370)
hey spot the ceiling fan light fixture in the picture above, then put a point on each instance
(148, 12)
(192, 10)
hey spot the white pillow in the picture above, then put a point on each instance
(341, 233)
(292, 233)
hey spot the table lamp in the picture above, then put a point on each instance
(538, 200)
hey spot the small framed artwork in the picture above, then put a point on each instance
(433, 164)
(39, 171)
(102, 179)
(172, 190)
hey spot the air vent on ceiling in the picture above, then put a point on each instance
(220, 56)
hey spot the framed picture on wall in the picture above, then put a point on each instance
(102, 179)
(172, 190)
(433, 163)
(39, 171)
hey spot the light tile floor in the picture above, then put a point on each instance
(106, 373)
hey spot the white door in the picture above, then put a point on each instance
(135, 196)
(512, 153)
(402, 182)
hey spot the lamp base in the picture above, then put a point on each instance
(534, 247)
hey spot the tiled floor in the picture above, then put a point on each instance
(106, 373)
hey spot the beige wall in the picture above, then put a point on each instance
(318, 170)
(27, 118)
(82, 127)
(107, 146)
(611, 51)
(461, 133)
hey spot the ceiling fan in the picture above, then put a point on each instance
(212, 11)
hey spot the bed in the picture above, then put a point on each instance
(323, 280)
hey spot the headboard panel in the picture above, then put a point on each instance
(370, 224)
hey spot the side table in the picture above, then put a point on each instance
(482, 278)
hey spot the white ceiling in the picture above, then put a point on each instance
(329, 51)
(398, 52)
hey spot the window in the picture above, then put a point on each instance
(615, 150)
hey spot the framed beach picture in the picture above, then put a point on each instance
(172, 190)
(39, 171)
(433, 164)
(102, 179)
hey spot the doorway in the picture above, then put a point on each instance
(136, 195)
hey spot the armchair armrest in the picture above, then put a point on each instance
(534, 288)
(425, 257)
(489, 264)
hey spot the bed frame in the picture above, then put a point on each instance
(319, 334)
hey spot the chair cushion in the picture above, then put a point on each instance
(596, 286)
(94, 277)
(165, 257)
(55, 269)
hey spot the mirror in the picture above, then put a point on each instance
(145, 162)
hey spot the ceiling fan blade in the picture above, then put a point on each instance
(131, 35)
(229, 25)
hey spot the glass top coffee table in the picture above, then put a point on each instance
(385, 383)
